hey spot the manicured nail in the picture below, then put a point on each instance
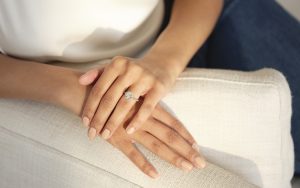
(196, 147)
(82, 78)
(92, 133)
(186, 166)
(105, 134)
(130, 130)
(86, 121)
(200, 163)
(85, 74)
(153, 174)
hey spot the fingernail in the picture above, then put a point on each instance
(105, 134)
(196, 147)
(85, 121)
(82, 77)
(200, 163)
(92, 133)
(130, 130)
(186, 165)
(85, 74)
(153, 174)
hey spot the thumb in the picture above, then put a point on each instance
(89, 77)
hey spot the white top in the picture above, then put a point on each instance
(77, 30)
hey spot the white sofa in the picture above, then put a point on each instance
(240, 119)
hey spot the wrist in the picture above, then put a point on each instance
(165, 68)
(71, 95)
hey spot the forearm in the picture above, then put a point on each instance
(190, 25)
(41, 82)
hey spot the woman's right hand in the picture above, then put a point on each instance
(162, 134)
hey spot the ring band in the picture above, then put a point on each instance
(129, 96)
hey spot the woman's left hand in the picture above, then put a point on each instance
(106, 106)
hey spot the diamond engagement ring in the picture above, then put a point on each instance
(128, 96)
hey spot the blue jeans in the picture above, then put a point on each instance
(250, 35)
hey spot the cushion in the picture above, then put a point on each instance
(240, 119)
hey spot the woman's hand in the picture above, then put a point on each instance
(106, 106)
(162, 134)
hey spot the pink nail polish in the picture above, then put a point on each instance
(86, 121)
(92, 133)
(153, 174)
(187, 166)
(200, 163)
(106, 133)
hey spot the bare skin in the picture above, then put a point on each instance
(82, 93)
(151, 76)
(166, 136)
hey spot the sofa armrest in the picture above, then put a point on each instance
(240, 119)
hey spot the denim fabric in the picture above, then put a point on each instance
(250, 35)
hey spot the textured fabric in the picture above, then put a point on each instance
(77, 31)
(36, 165)
(240, 119)
(251, 35)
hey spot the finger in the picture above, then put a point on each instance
(137, 158)
(171, 138)
(108, 76)
(123, 108)
(144, 112)
(162, 150)
(90, 76)
(164, 116)
(108, 103)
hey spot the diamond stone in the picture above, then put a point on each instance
(128, 95)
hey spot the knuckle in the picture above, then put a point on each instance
(121, 60)
(96, 92)
(156, 147)
(114, 64)
(176, 124)
(118, 62)
(135, 69)
(133, 155)
(107, 99)
(171, 137)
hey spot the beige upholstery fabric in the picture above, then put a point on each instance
(241, 120)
